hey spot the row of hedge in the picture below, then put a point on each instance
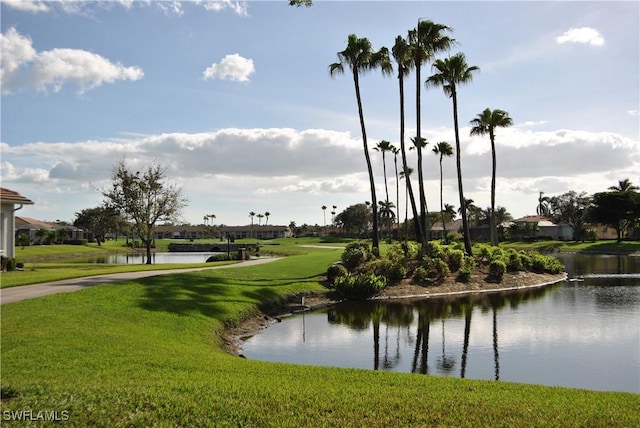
(361, 275)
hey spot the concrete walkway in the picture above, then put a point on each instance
(14, 294)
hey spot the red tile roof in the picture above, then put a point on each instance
(7, 195)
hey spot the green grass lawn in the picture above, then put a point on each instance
(148, 353)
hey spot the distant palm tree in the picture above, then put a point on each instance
(360, 57)
(624, 185)
(266, 217)
(260, 217)
(486, 123)
(252, 214)
(403, 54)
(386, 213)
(405, 174)
(450, 73)
(395, 152)
(543, 205)
(426, 40)
(443, 149)
(324, 213)
(41, 234)
(383, 147)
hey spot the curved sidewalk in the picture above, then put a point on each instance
(23, 292)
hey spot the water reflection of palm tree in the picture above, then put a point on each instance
(468, 310)
(496, 358)
(422, 341)
(446, 363)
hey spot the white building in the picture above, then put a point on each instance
(9, 199)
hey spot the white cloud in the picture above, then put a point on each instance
(232, 67)
(27, 5)
(584, 35)
(239, 8)
(633, 112)
(25, 69)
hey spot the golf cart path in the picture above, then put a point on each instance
(14, 294)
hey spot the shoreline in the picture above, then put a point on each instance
(232, 337)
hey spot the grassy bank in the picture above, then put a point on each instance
(148, 353)
(597, 247)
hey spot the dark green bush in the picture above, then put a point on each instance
(497, 269)
(514, 261)
(435, 250)
(335, 271)
(356, 253)
(464, 274)
(454, 259)
(359, 287)
(392, 270)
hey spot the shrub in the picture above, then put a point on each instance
(497, 269)
(359, 287)
(466, 269)
(392, 270)
(420, 274)
(436, 268)
(464, 274)
(514, 261)
(553, 265)
(356, 253)
(435, 250)
(454, 259)
(538, 262)
(335, 271)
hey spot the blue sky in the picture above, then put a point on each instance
(236, 97)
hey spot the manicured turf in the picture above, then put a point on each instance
(148, 353)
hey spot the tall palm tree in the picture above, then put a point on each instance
(403, 54)
(486, 123)
(427, 40)
(360, 57)
(324, 213)
(260, 217)
(543, 205)
(266, 217)
(443, 149)
(624, 185)
(450, 73)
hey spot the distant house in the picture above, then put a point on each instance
(9, 199)
(28, 226)
(180, 232)
(545, 227)
(256, 231)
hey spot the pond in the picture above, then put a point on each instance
(581, 334)
(141, 257)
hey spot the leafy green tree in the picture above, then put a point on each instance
(426, 40)
(486, 123)
(442, 149)
(450, 73)
(402, 53)
(571, 208)
(355, 220)
(99, 220)
(144, 198)
(387, 215)
(360, 57)
(617, 209)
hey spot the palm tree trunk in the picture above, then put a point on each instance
(416, 225)
(423, 200)
(375, 243)
(492, 221)
(465, 222)
(444, 227)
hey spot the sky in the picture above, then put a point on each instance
(236, 100)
